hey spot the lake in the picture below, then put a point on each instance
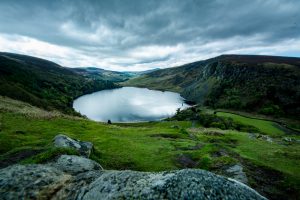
(129, 104)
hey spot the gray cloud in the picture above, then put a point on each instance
(140, 34)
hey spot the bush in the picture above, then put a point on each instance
(271, 109)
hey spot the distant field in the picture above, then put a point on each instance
(265, 126)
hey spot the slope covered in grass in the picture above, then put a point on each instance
(153, 146)
(268, 127)
(43, 83)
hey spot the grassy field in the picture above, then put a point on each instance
(150, 146)
(265, 126)
(116, 146)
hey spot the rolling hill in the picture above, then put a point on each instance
(44, 83)
(266, 84)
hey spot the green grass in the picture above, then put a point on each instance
(48, 155)
(117, 146)
(280, 157)
(148, 146)
(264, 126)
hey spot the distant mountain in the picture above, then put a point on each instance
(145, 72)
(44, 83)
(265, 84)
(114, 76)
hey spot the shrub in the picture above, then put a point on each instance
(271, 109)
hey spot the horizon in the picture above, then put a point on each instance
(141, 35)
(82, 67)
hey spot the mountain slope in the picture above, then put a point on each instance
(266, 84)
(43, 83)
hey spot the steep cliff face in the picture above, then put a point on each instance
(267, 84)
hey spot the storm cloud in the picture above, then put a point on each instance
(145, 34)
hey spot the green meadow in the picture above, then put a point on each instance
(150, 146)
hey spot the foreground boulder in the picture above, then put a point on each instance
(83, 148)
(182, 184)
(75, 164)
(31, 181)
(58, 180)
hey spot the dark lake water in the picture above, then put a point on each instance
(129, 104)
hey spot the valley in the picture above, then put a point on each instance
(237, 128)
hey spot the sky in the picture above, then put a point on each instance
(137, 35)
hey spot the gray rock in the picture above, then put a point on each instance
(83, 148)
(48, 182)
(260, 136)
(287, 139)
(237, 173)
(183, 184)
(75, 164)
(31, 181)
(267, 138)
(252, 135)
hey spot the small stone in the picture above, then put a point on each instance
(237, 173)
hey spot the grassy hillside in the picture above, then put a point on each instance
(43, 83)
(272, 167)
(266, 84)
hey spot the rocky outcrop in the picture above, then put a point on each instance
(75, 177)
(31, 181)
(71, 178)
(182, 184)
(83, 148)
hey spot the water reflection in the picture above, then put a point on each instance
(129, 104)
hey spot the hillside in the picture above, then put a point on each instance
(27, 134)
(44, 83)
(266, 84)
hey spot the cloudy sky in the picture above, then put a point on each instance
(145, 34)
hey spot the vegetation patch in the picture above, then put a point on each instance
(49, 155)
(213, 120)
(16, 156)
(167, 135)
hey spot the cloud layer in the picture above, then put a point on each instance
(140, 34)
